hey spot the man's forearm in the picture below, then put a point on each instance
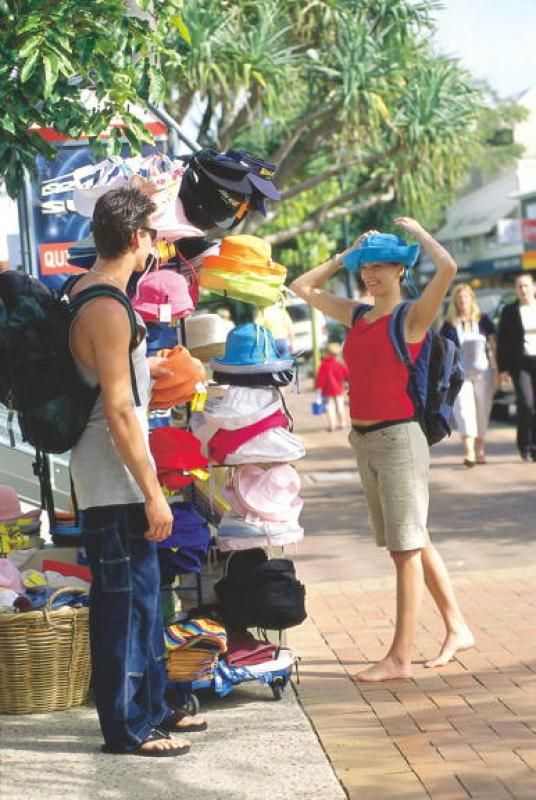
(130, 443)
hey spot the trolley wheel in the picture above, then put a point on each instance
(278, 686)
(191, 705)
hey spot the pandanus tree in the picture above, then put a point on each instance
(363, 119)
(349, 99)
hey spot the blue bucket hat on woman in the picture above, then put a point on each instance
(382, 247)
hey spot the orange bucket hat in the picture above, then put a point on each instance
(244, 253)
(183, 382)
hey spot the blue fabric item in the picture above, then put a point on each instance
(159, 419)
(249, 344)
(160, 336)
(227, 677)
(36, 597)
(189, 528)
(180, 561)
(125, 625)
(382, 247)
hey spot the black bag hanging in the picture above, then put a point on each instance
(258, 592)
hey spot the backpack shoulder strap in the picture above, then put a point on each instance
(68, 284)
(396, 333)
(99, 290)
(359, 311)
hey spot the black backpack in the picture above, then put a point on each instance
(39, 379)
(258, 592)
(435, 378)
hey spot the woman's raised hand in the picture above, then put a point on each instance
(359, 241)
(410, 225)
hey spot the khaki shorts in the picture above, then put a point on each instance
(393, 463)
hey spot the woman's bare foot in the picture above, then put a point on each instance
(388, 669)
(458, 640)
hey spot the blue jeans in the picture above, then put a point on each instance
(125, 624)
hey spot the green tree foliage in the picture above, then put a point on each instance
(363, 119)
(52, 51)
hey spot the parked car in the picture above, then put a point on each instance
(301, 315)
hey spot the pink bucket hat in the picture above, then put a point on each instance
(271, 494)
(10, 508)
(160, 288)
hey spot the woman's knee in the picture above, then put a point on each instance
(403, 556)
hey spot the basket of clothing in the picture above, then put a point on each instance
(45, 663)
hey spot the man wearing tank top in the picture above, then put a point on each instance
(516, 355)
(123, 510)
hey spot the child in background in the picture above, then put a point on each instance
(331, 381)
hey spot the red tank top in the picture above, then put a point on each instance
(378, 379)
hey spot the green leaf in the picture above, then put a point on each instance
(157, 86)
(32, 23)
(29, 66)
(51, 67)
(8, 125)
(134, 142)
(29, 45)
(258, 77)
(178, 23)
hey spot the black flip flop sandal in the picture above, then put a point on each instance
(170, 724)
(156, 735)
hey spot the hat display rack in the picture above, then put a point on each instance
(223, 448)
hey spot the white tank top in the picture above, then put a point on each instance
(99, 476)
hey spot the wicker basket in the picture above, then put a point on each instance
(44, 658)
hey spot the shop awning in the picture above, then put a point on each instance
(477, 223)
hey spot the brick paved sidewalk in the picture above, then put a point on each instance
(467, 730)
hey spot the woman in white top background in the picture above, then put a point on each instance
(474, 333)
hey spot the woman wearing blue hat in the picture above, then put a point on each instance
(390, 446)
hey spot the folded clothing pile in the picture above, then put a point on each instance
(243, 650)
(30, 589)
(194, 648)
(18, 530)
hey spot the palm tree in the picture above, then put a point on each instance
(346, 98)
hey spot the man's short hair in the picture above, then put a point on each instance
(117, 215)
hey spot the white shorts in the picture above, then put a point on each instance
(393, 463)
